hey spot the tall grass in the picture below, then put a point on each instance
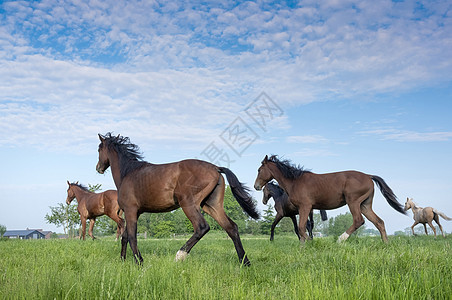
(361, 268)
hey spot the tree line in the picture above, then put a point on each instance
(161, 225)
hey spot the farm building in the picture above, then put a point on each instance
(24, 234)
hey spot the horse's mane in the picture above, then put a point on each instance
(129, 155)
(287, 168)
(275, 189)
(83, 187)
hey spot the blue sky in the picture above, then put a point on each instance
(360, 85)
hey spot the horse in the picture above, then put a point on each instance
(308, 190)
(285, 208)
(425, 215)
(92, 205)
(190, 184)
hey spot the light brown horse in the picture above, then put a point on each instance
(425, 215)
(92, 205)
(308, 191)
(189, 184)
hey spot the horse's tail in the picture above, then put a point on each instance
(388, 194)
(442, 215)
(323, 215)
(241, 193)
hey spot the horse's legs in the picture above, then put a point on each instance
(124, 240)
(91, 227)
(303, 212)
(425, 228)
(432, 227)
(119, 222)
(358, 220)
(310, 224)
(131, 218)
(412, 227)
(366, 209)
(82, 236)
(436, 218)
(214, 207)
(275, 222)
(200, 227)
(295, 226)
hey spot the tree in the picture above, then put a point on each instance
(2, 230)
(267, 219)
(65, 216)
(340, 223)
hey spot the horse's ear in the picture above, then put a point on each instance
(68, 182)
(76, 182)
(101, 138)
(265, 159)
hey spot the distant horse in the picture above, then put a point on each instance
(308, 190)
(189, 184)
(285, 208)
(92, 205)
(425, 215)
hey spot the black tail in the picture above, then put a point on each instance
(388, 194)
(323, 215)
(241, 193)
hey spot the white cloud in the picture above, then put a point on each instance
(306, 139)
(116, 66)
(410, 136)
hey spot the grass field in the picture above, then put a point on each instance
(361, 268)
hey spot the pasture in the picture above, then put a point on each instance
(361, 268)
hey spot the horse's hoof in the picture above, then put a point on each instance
(181, 255)
(343, 237)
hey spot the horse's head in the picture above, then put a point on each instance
(409, 203)
(103, 162)
(267, 195)
(264, 175)
(70, 194)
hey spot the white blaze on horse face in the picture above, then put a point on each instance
(181, 255)
(343, 237)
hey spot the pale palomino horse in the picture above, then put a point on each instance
(425, 216)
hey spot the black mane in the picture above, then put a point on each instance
(288, 169)
(130, 157)
(81, 186)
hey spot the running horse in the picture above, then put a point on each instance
(190, 184)
(92, 205)
(285, 208)
(309, 191)
(425, 215)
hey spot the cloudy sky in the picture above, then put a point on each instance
(334, 85)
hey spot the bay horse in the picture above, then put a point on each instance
(308, 191)
(92, 205)
(425, 215)
(285, 208)
(190, 184)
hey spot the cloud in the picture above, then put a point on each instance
(85, 67)
(306, 139)
(410, 136)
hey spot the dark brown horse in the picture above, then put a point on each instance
(92, 205)
(189, 184)
(308, 190)
(285, 208)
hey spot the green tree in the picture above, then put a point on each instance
(340, 223)
(267, 219)
(2, 230)
(65, 216)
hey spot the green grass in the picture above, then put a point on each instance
(361, 268)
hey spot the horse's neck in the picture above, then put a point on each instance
(283, 181)
(80, 194)
(115, 169)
